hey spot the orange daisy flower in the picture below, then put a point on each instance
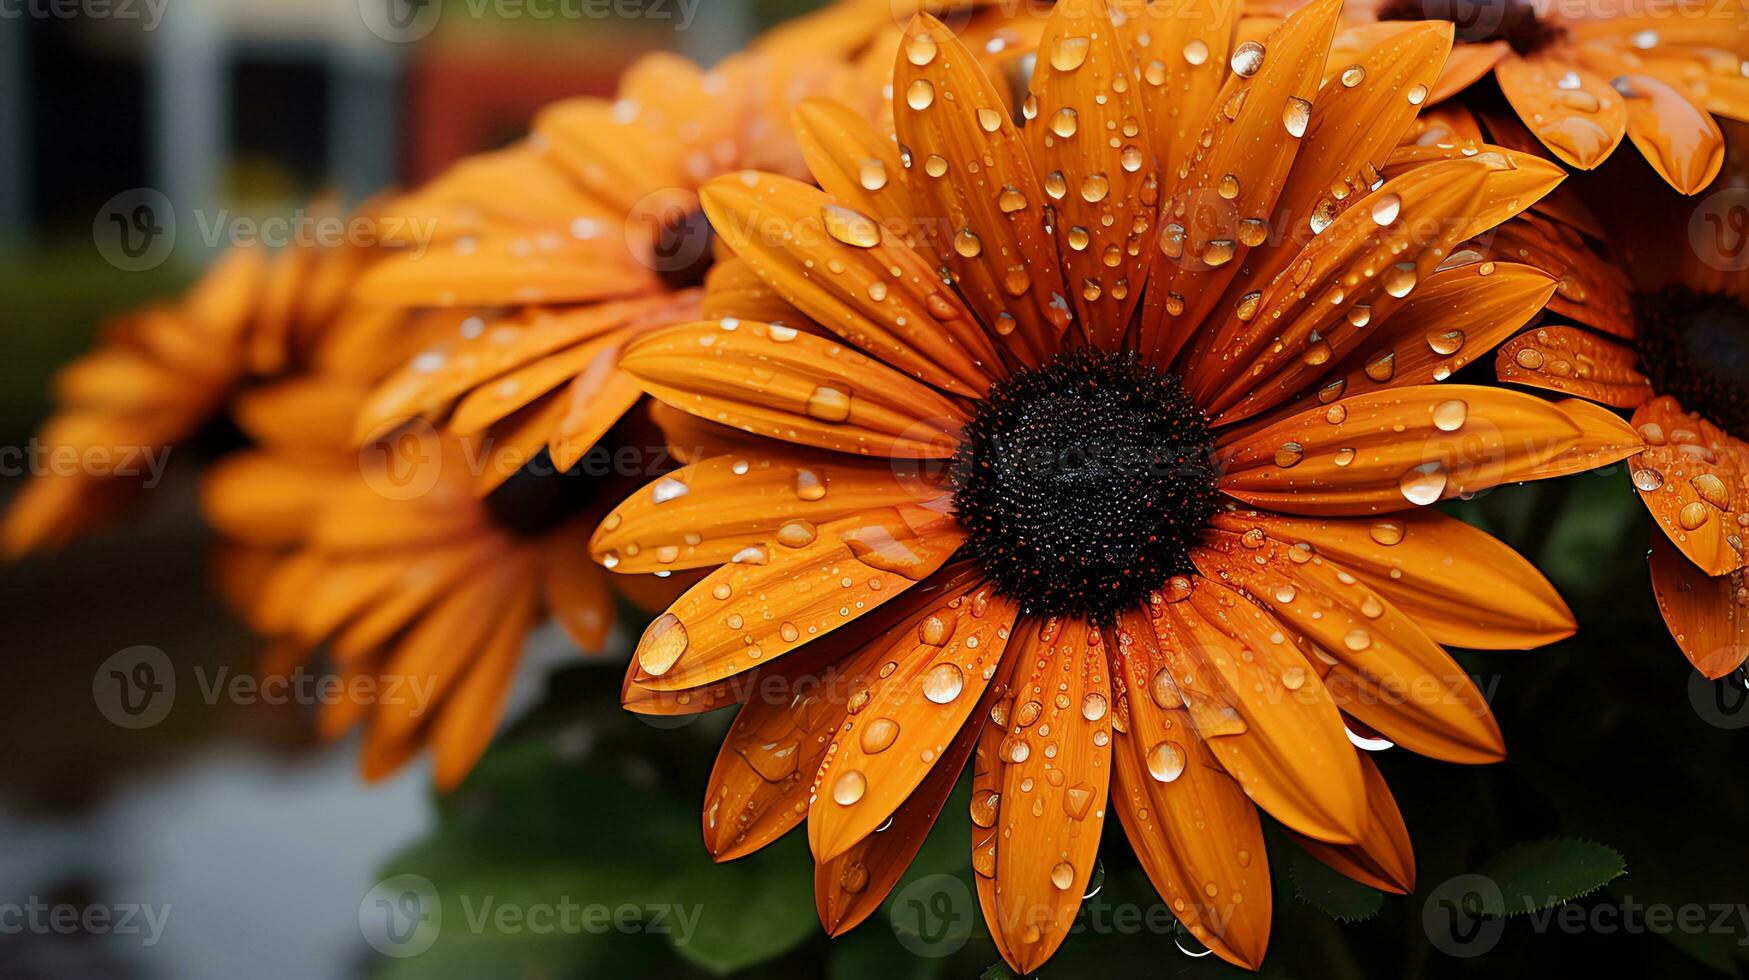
(1669, 325)
(593, 226)
(1653, 71)
(1098, 449)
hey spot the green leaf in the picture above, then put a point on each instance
(998, 971)
(747, 911)
(1546, 873)
(1335, 894)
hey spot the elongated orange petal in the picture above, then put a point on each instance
(576, 589)
(1384, 858)
(1589, 290)
(1376, 662)
(850, 161)
(768, 763)
(854, 277)
(1457, 315)
(263, 498)
(1358, 117)
(1300, 322)
(469, 718)
(1400, 448)
(1263, 711)
(948, 114)
(1575, 362)
(850, 887)
(1181, 49)
(732, 288)
(1052, 803)
(1575, 113)
(1089, 142)
(1694, 478)
(1458, 583)
(1190, 823)
(1678, 138)
(884, 752)
(708, 512)
(1706, 614)
(792, 386)
(1467, 65)
(821, 578)
(1234, 175)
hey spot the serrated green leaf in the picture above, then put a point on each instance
(1543, 874)
(1336, 895)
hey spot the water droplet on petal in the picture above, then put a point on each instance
(1247, 59)
(943, 682)
(850, 787)
(828, 404)
(662, 644)
(1424, 484)
(1166, 761)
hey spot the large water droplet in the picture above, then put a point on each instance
(1424, 484)
(1166, 761)
(1247, 59)
(663, 643)
(1070, 53)
(828, 404)
(850, 787)
(878, 734)
(943, 682)
(850, 227)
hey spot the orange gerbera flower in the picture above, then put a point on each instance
(592, 226)
(1653, 71)
(1671, 316)
(157, 377)
(1098, 449)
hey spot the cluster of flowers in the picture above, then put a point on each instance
(1064, 390)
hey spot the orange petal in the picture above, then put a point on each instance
(1575, 113)
(1588, 289)
(768, 764)
(1087, 139)
(708, 512)
(461, 732)
(1459, 584)
(732, 288)
(1281, 338)
(1399, 448)
(950, 117)
(576, 589)
(890, 745)
(1466, 66)
(1362, 113)
(850, 161)
(1384, 858)
(1184, 52)
(852, 886)
(1679, 139)
(814, 580)
(1707, 615)
(1264, 713)
(794, 387)
(1235, 174)
(1576, 362)
(852, 275)
(1376, 662)
(262, 498)
(1694, 478)
(1190, 823)
(1458, 314)
(1052, 803)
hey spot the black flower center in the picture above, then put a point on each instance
(1695, 346)
(1085, 483)
(1478, 21)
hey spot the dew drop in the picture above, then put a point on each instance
(850, 787)
(943, 682)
